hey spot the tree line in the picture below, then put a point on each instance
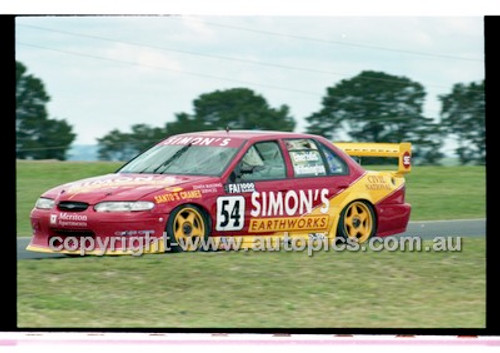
(369, 107)
(37, 135)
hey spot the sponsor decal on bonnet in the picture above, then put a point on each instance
(177, 196)
(208, 188)
(121, 181)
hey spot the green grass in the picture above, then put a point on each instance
(259, 290)
(447, 192)
(35, 177)
(240, 289)
(434, 192)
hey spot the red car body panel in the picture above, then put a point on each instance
(171, 191)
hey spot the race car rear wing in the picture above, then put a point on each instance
(366, 149)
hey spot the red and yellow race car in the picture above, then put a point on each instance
(229, 185)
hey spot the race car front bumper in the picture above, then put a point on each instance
(97, 233)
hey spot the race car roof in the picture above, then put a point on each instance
(247, 134)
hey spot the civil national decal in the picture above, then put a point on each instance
(377, 182)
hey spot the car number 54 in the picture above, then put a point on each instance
(230, 213)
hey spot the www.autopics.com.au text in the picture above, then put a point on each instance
(138, 245)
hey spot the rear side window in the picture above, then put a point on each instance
(306, 158)
(335, 164)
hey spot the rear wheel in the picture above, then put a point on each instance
(187, 227)
(357, 220)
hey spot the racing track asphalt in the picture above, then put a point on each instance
(424, 229)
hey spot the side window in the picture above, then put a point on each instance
(262, 161)
(306, 158)
(335, 164)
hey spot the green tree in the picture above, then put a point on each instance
(378, 107)
(37, 136)
(236, 108)
(427, 140)
(121, 146)
(462, 114)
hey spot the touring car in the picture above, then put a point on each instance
(222, 184)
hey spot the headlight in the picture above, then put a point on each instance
(44, 203)
(124, 206)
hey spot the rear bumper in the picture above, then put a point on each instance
(392, 218)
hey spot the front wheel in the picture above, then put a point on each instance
(187, 228)
(357, 220)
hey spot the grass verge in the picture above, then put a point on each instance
(258, 290)
(372, 289)
(447, 192)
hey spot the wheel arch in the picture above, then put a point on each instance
(347, 201)
(200, 206)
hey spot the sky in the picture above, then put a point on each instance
(111, 72)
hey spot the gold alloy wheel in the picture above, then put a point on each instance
(358, 221)
(187, 226)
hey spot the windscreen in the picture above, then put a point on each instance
(186, 159)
